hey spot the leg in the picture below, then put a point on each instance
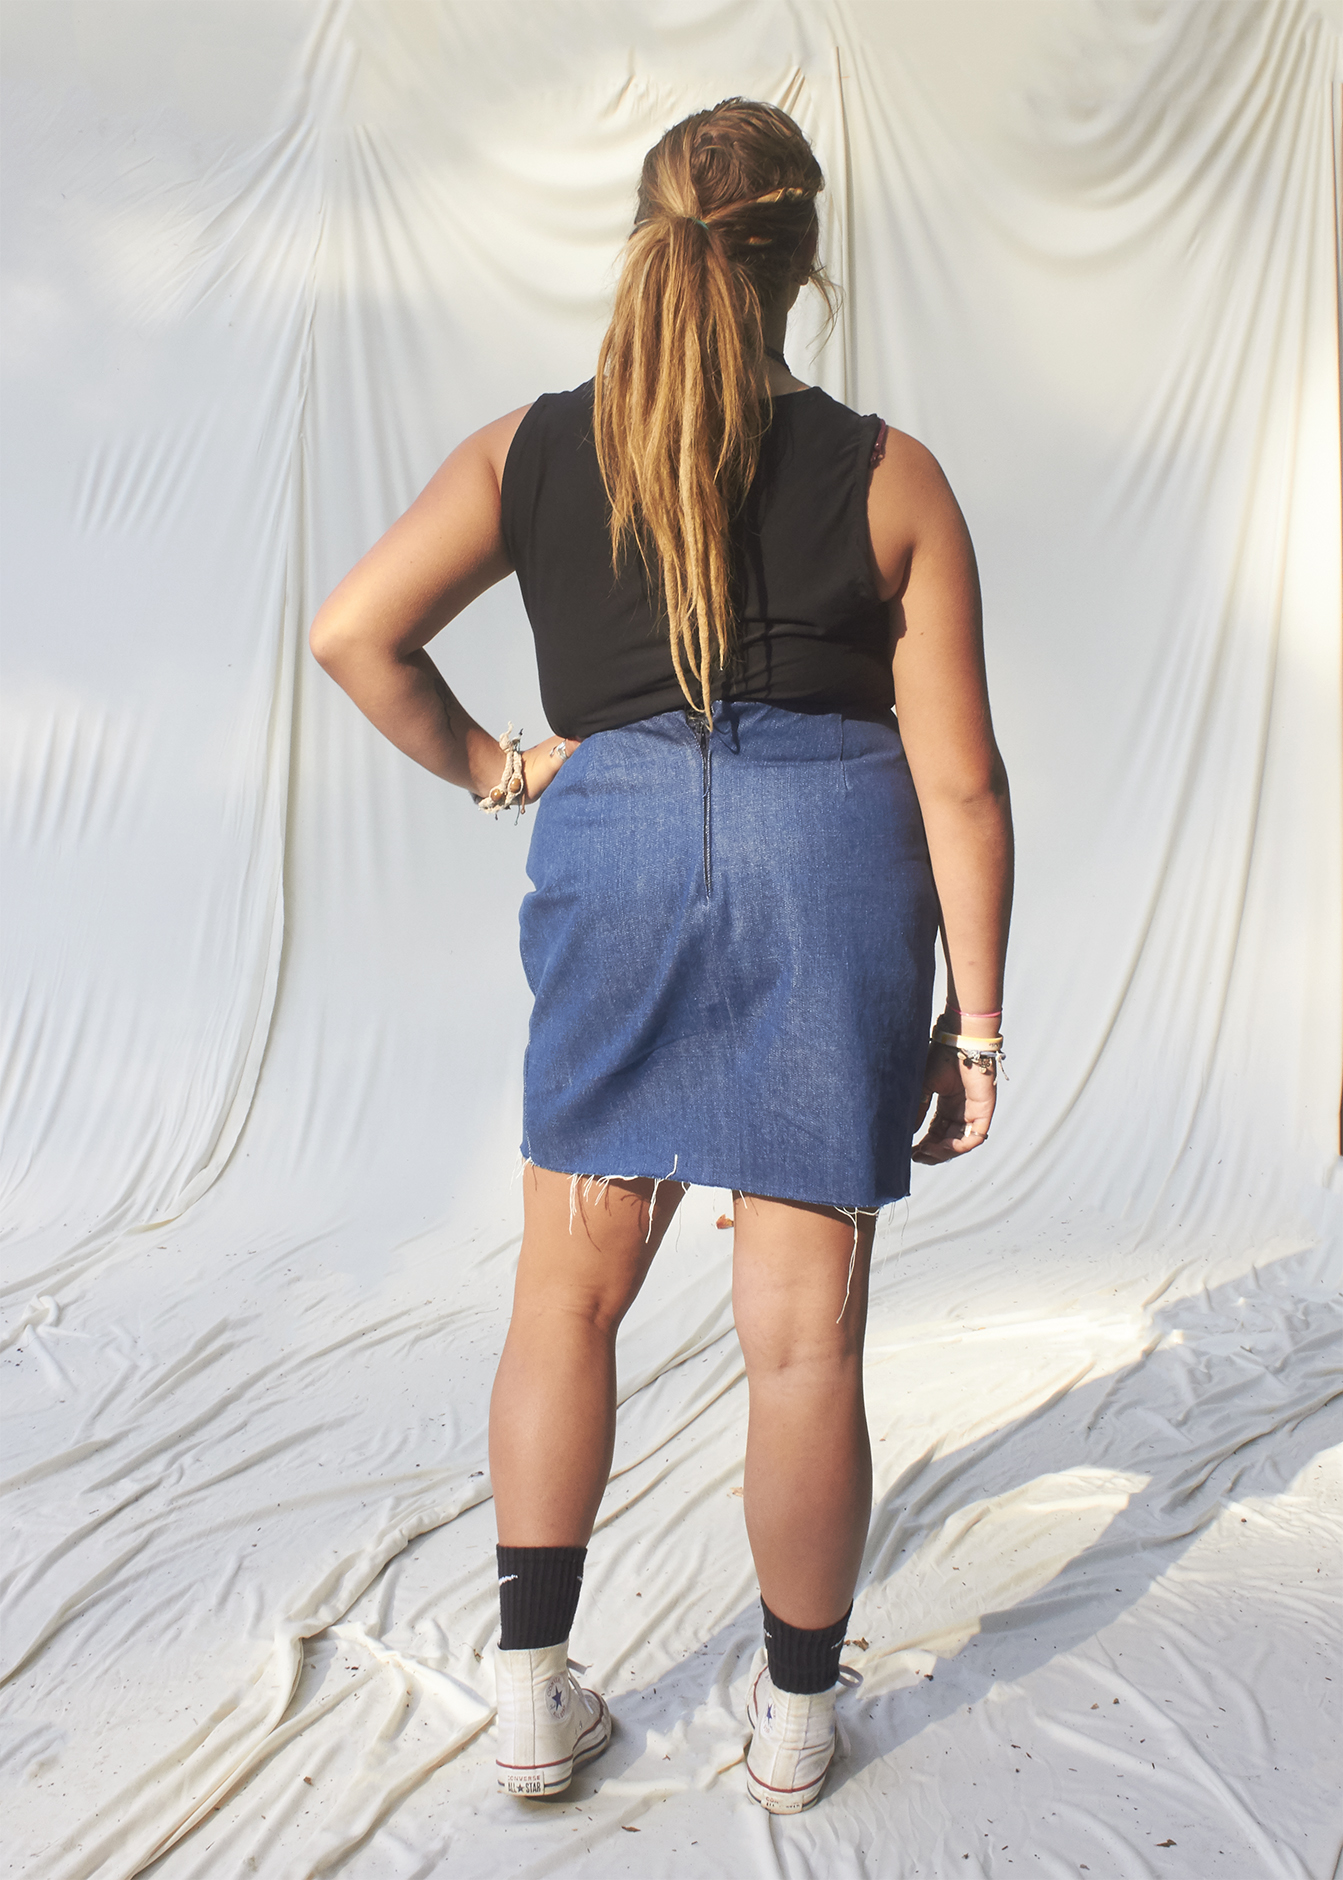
(808, 1481)
(586, 1248)
(552, 1412)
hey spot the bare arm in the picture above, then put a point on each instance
(371, 632)
(926, 567)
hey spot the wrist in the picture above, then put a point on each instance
(484, 761)
(983, 1054)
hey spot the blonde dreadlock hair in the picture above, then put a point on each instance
(726, 222)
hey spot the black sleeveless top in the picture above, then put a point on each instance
(811, 631)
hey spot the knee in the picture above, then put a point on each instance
(579, 1310)
(800, 1331)
(816, 1357)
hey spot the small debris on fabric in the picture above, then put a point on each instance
(724, 1220)
(1114, 1700)
(308, 1780)
(625, 1828)
(736, 1491)
(859, 1644)
(1095, 1706)
(1165, 1843)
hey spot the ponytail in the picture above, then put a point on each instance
(726, 219)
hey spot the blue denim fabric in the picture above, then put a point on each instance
(730, 942)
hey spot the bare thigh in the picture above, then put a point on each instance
(587, 1243)
(799, 1279)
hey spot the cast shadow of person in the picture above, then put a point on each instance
(1234, 1396)
(1236, 1392)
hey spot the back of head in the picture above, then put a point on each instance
(725, 227)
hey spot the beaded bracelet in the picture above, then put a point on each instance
(511, 789)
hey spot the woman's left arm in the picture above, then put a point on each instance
(925, 565)
(371, 632)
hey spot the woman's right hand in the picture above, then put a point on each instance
(965, 1098)
(539, 764)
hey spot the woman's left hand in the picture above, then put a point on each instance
(965, 1098)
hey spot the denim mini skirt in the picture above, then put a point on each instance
(730, 942)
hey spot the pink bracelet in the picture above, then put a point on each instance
(963, 1014)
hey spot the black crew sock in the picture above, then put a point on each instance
(801, 1661)
(538, 1595)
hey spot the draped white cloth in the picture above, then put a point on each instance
(267, 260)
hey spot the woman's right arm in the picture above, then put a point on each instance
(926, 566)
(370, 634)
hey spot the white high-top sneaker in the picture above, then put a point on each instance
(548, 1726)
(793, 1745)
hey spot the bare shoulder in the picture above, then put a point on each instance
(474, 471)
(493, 440)
(910, 506)
(484, 452)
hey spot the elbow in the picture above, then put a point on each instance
(977, 792)
(326, 639)
(996, 785)
(985, 789)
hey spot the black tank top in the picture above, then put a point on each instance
(812, 633)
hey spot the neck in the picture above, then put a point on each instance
(774, 331)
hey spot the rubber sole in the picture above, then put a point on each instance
(781, 1801)
(786, 1801)
(537, 1781)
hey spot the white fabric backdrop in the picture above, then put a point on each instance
(266, 261)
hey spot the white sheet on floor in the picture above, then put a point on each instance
(267, 261)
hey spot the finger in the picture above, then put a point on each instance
(933, 1146)
(949, 1136)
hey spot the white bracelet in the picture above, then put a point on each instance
(982, 1054)
(510, 791)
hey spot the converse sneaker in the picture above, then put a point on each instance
(547, 1725)
(794, 1742)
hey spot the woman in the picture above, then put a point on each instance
(740, 868)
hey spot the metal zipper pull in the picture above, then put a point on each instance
(704, 732)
